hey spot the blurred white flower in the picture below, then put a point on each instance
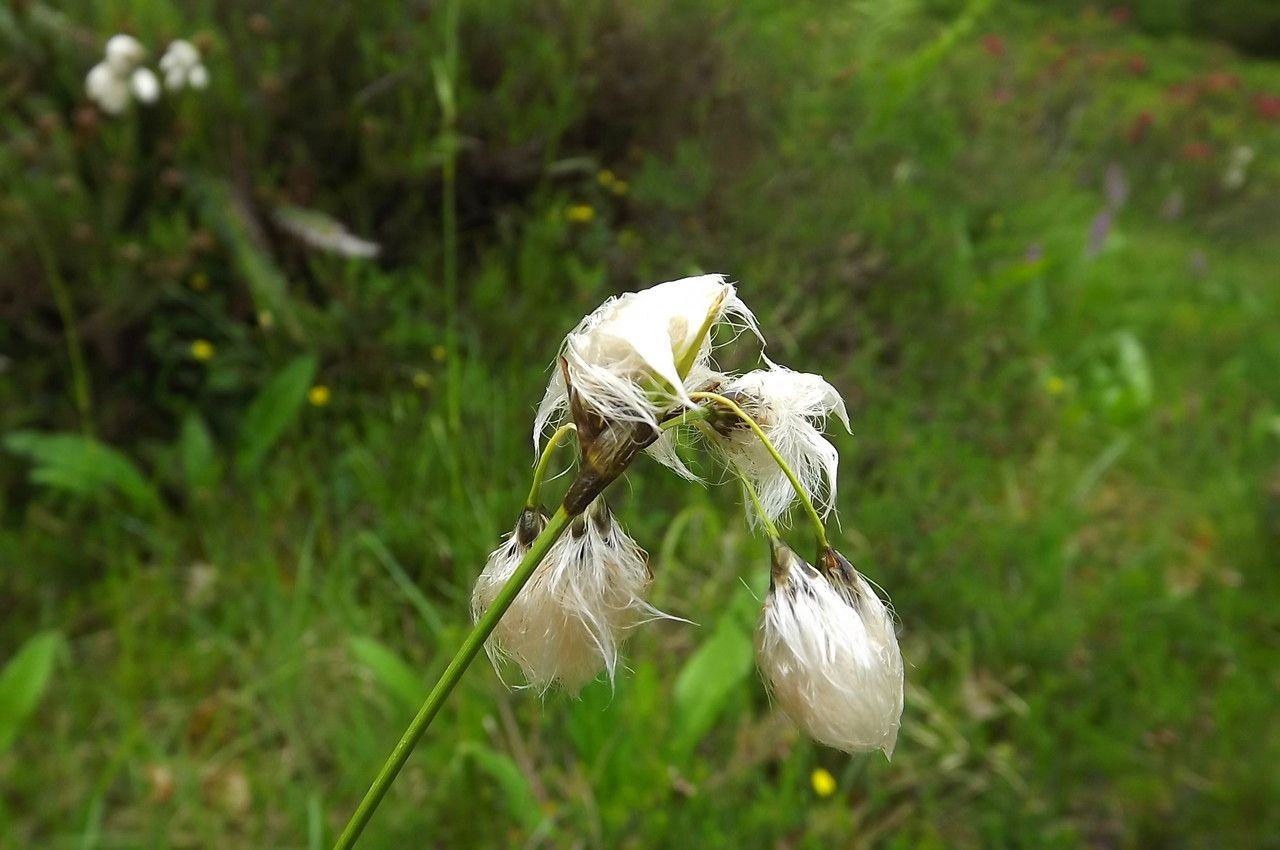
(106, 88)
(1238, 167)
(145, 85)
(565, 625)
(323, 232)
(198, 77)
(640, 354)
(828, 653)
(124, 53)
(792, 409)
(182, 67)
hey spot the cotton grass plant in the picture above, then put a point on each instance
(558, 597)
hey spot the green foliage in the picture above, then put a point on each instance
(1065, 468)
(201, 466)
(709, 679)
(392, 672)
(498, 768)
(83, 466)
(273, 411)
(23, 682)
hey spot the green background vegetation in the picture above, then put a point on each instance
(1005, 231)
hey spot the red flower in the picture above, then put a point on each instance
(1197, 151)
(1120, 14)
(1267, 106)
(1138, 129)
(1137, 64)
(1220, 81)
(993, 44)
(1185, 93)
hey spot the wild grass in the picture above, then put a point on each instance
(1064, 462)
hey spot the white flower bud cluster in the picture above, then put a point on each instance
(629, 372)
(120, 78)
(182, 67)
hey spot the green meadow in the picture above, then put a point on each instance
(247, 484)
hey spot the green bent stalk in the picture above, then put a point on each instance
(540, 471)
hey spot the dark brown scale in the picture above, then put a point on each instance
(532, 522)
(840, 572)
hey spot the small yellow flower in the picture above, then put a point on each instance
(580, 213)
(824, 784)
(1055, 386)
(199, 281)
(422, 380)
(619, 187)
(266, 320)
(318, 395)
(439, 353)
(606, 178)
(202, 350)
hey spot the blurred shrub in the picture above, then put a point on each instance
(147, 244)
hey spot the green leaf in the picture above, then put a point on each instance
(515, 787)
(392, 672)
(273, 411)
(1134, 369)
(231, 214)
(709, 679)
(24, 680)
(83, 466)
(200, 466)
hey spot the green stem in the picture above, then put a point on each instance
(447, 93)
(819, 528)
(540, 471)
(450, 677)
(66, 312)
(747, 488)
(755, 500)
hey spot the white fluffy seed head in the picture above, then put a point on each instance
(108, 89)
(792, 409)
(566, 624)
(626, 359)
(827, 651)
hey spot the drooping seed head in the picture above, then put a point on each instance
(827, 650)
(566, 624)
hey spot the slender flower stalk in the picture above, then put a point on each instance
(449, 679)
(754, 498)
(540, 471)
